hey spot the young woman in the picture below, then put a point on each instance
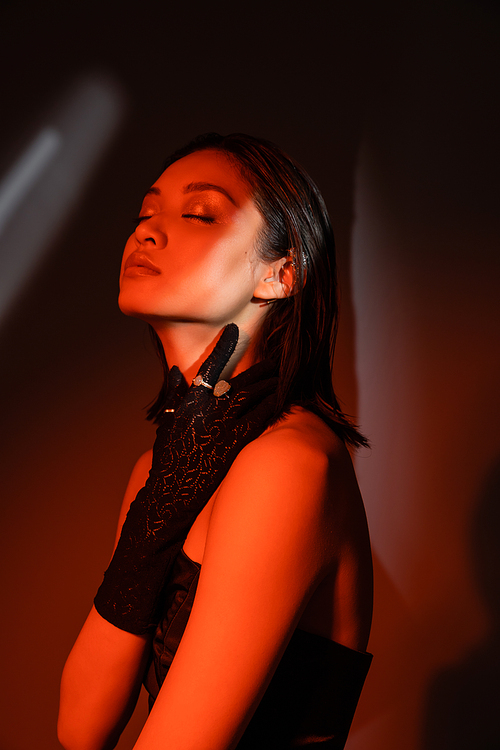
(245, 553)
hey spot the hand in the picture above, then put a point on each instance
(195, 445)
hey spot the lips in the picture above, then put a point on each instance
(139, 264)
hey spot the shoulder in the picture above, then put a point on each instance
(300, 449)
(143, 465)
(139, 475)
(301, 430)
(292, 477)
(135, 483)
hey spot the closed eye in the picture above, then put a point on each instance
(200, 217)
(138, 219)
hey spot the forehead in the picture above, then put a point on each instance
(211, 167)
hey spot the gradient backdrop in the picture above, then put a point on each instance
(393, 108)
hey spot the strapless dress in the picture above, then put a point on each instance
(311, 699)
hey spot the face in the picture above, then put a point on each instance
(192, 257)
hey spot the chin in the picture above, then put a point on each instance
(132, 307)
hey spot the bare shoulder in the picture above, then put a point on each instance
(298, 471)
(135, 483)
(301, 428)
(302, 448)
(138, 476)
(143, 465)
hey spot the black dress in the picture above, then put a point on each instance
(311, 699)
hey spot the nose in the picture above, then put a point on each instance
(151, 231)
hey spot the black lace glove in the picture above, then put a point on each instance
(196, 443)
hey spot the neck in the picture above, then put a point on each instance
(187, 345)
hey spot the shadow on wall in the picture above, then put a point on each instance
(463, 700)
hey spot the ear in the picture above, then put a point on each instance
(278, 280)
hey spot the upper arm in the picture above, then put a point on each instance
(268, 545)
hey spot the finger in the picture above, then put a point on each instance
(218, 359)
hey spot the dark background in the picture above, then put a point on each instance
(393, 110)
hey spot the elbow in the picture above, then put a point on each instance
(65, 730)
(66, 735)
(74, 734)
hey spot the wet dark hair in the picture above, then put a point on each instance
(300, 331)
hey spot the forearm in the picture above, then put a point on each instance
(100, 685)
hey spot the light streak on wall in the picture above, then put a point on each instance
(44, 184)
(26, 171)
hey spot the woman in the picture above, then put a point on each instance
(246, 551)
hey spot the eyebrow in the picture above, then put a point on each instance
(196, 187)
(199, 187)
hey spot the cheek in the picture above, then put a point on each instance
(236, 252)
(210, 259)
(231, 265)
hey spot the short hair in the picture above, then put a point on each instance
(299, 332)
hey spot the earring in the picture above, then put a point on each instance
(301, 258)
